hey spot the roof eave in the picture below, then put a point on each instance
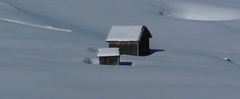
(122, 40)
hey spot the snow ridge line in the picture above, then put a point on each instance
(36, 25)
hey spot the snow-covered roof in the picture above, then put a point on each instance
(103, 52)
(125, 33)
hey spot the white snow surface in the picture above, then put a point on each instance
(201, 57)
(103, 52)
(204, 11)
(125, 33)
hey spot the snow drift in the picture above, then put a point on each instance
(201, 11)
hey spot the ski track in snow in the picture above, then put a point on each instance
(28, 24)
(36, 25)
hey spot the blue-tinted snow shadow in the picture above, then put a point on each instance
(125, 63)
(152, 51)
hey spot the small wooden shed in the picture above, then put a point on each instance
(108, 56)
(132, 40)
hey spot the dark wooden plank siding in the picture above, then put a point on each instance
(126, 47)
(113, 60)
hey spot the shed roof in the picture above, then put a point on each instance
(104, 52)
(125, 33)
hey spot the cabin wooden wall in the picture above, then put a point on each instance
(112, 60)
(126, 47)
(137, 48)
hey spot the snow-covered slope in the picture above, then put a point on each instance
(203, 11)
(46, 48)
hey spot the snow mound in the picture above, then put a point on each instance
(204, 12)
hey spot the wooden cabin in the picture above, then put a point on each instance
(108, 56)
(132, 40)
